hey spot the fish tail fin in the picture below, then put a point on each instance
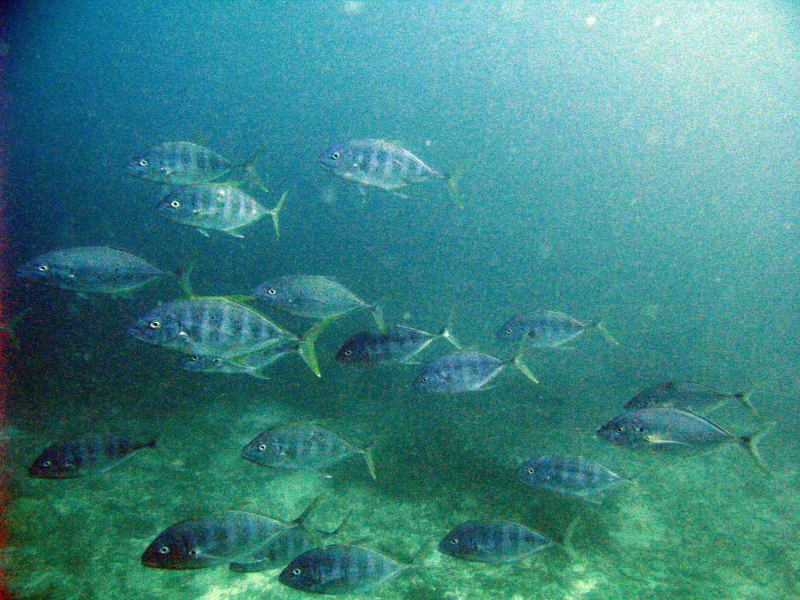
(744, 398)
(300, 520)
(370, 460)
(451, 181)
(567, 540)
(520, 364)
(377, 312)
(749, 442)
(9, 327)
(184, 272)
(605, 332)
(275, 211)
(306, 347)
(248, 162)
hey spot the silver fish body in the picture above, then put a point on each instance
(209, 326)
(211, 540)
(697, 397)
(180, 163)
(277, 553)
(90, 269)
(312, 296)
(541, 329)
(463, 372)
(212, 206)
(493, 541)
(376, 163)
(674, 431)
(398, 344)
(302, 446)
(568, 475)
(339, 569)
(250, 364)
(86, 455)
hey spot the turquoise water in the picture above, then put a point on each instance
(630, 162)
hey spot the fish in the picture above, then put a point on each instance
(546, 329)
(86, 455)
(283, 548)
(183, 163)
(674, 431)
(250, 364)
(398, 344)
(464, 372)
(302, 445)
(380, 164)
(494, 541)
(216, 206)
(340, 569)
(214, 539)
(277, 553)
(569, 476)
(311, 296)
(696, 397)
(90, 269)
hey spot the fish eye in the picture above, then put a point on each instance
(154, 324)
(192, 552)
(46, 463)
(262, 447)
(348, 352)
(620, 429)
(423, 380)
(43, 268)
(508, 329)
(454, 541)
(297, 571)
(175, 204)
(336, 155)
(530, 471)
(640, 429)
(194, 358)
(272, 291)
(142, 162)
(163, 550)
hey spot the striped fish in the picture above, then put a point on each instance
(183, 163)
(380, 164)
(464, 372)
(696, 397)
(546, 329)
(398, 344)
(302, 446)
(492, 541)
(250, 364)
(212, 540)
(569, 475)
(208, 326)
(90, 269)
(86, 455)
(216, 206)
(340, 569)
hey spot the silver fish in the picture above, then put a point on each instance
(216, 206)
(183, 163)
(464, 372)
(673, 431)
(696, 397)
(493, 541)
(312, 296)
(212, 540)
(90, 269)
(546, 329)
(302, 446)
(340, 569)
(376, 163)
(569, 475)
(250, 364)
(398, 344)
(277, 553)
(86, 455)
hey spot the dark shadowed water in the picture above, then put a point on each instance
(630, 162)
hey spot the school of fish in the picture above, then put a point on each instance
(232, 335)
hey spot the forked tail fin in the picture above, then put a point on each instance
(307, 351)
(275, 211)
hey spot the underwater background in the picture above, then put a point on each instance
(630, 162)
